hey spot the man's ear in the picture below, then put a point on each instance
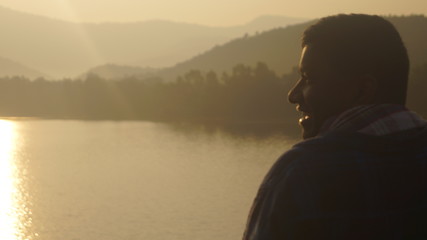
(368, 88)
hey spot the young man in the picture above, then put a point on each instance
(361, 172)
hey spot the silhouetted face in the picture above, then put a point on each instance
(320, 93)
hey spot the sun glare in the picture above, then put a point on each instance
(9, 220)
(68, 9)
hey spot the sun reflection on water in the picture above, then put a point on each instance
(11, 226)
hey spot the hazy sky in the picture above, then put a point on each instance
(208, 12)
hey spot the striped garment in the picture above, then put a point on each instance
(377, 120)
(364, 177)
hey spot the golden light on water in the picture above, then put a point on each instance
(10, 208)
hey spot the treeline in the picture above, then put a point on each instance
(247, 94)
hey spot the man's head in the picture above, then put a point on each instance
(346, 61)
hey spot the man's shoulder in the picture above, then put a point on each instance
(337, 175)
(306, 154)
(341, 148)
(313, 150)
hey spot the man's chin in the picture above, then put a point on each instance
(309, 129)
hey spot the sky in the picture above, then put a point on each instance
(206, 12)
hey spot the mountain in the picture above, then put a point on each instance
(62, 48)
(116, 72)
(268, 22)
(280, 49)
(55, 47)
(11, 68)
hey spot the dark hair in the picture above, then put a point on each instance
(358, 44)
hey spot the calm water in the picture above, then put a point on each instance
(78, 180)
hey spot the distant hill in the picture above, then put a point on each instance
(267, 22)
(280, 49)
(117, 72)
(11, 68)
(61, 48)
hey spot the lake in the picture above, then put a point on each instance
(90, 180)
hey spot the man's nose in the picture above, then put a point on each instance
(294, 95)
